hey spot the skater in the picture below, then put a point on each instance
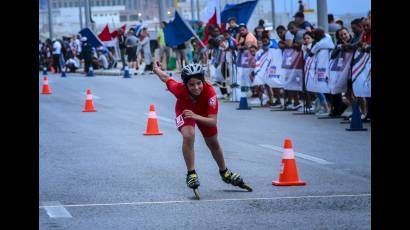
(197, 103)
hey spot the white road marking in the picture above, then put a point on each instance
(215, 200)
(55, 209)
(301, 155)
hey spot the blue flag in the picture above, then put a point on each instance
(177, 31)
(242, 11)
(91, 37)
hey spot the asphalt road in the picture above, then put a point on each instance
(97, 170)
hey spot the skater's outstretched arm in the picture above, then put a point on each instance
(161, 74)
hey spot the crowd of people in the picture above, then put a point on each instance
(224, 48)
(219, 52)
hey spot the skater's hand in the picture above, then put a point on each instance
(189, 114)
(156, 67)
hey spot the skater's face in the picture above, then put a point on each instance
(195, 86)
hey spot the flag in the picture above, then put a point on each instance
(177, 31)
(209, 11)
(105, 37)
(242, 11)
(114, 34)
(211, 21)
(91, 37)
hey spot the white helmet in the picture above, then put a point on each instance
(190, 70)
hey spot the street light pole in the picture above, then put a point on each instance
(322, 14)
(162, 11)
(81, 14)
(273, 14)
(50, 21)
(87, 13)
(197, 10)
(192, 10)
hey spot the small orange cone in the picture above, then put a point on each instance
(52, 69)
(289, 174)
(89, 107)
(46, 88)
(152, 125)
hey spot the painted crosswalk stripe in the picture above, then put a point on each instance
(297, 154)
(55, 209)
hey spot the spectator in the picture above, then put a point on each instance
(340, 22)
(246, 39)
(366, 47)
(57, 55)
(297, 33)
(357, 30)
(180, 56)
(122, 46)
(86, 54)
(333, 27)
(321, 105)
(297, 45)
(163, 49)
(131, 43)
(367, 35)
(258, 32)
(145, 46)
(301, 23)
(102, 59)
(233, 28)
(72, 64)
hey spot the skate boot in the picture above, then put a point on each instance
(193, 182)
(234, 179)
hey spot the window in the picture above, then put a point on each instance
(123, 18)
(133, 17)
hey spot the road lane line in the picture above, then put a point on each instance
(215, 200)
(301, 155)
(55, 209)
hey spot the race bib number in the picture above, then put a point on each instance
(179, 121)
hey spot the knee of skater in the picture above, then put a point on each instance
(188, 136)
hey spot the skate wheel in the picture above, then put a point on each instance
(196, 191)
(247, 187)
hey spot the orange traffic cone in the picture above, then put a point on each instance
(289, 174)
(89, 107)
(52, 69)
(152, 125)
(46, 88)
